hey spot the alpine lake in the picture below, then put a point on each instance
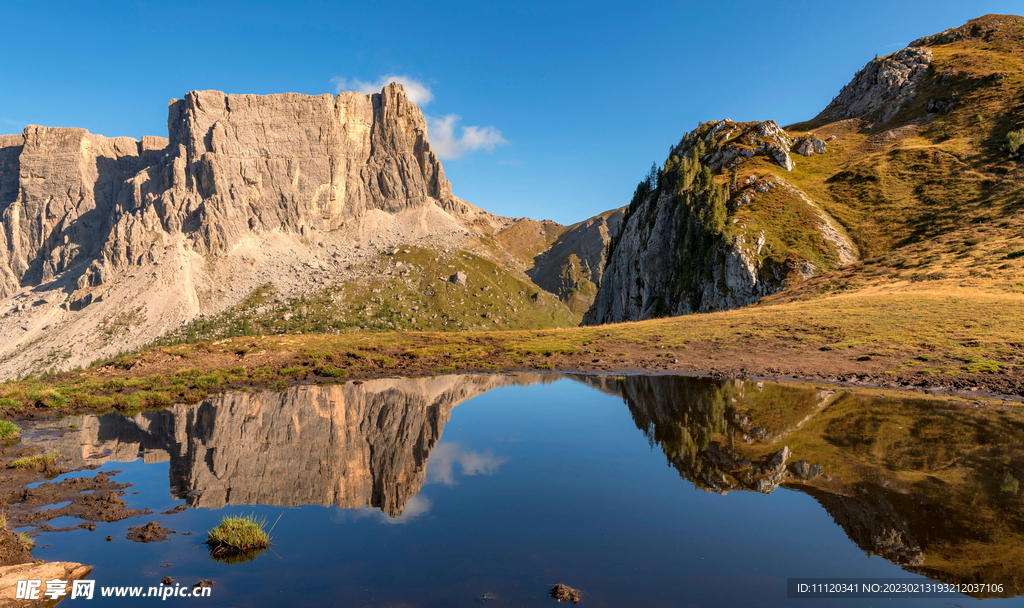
(468, 490)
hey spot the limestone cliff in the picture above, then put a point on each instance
(106, 243)
(233, 165)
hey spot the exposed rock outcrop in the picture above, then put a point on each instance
(882, 87)
(811, 145)
(574, 264)
(98, 232)
(682, 249)
(41, 571)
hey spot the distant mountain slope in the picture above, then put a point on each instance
(910, 174)
(574, 264)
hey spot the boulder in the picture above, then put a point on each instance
(806, 470)
(459, 278)
(811, 145)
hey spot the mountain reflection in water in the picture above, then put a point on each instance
(927, 484)
(349, 445)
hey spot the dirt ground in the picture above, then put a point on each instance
(92, 499)
(739, 358)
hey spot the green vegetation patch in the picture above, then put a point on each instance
(238, 538)
(34, 462)
(9, 429)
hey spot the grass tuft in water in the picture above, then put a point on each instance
(238, 538)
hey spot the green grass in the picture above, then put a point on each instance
(951, 328)
(410, 291)
(8, 429)
(28, 540)
(34, 462)
(329, 371)
(238, 536)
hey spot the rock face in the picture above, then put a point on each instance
(348, 445)
(644, 264)
(680, 251)
(881, 87)
(99, 232)
(574, 264)
(58, 190)
(233, 165)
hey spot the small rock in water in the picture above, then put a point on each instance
(565, 593)
(167, 581)
(148, 533)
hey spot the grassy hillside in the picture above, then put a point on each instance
(409, 289)
(960, 339)
(932, 195)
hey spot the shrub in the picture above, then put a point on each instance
(330, 371)
(1010, 485)
(1014, 141)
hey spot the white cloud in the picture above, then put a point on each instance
(441, 468)
(417, 92)
(414, 507)
(447, 145)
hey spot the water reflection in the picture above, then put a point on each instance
(929, 485)
(350, 445)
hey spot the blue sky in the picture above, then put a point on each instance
(571, 102)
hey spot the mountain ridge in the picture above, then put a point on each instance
(109, 243)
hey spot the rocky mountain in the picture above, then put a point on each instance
(693, 242)
(108, 243)
(573, 265)
(908, 164)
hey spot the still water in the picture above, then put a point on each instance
(488, 490)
